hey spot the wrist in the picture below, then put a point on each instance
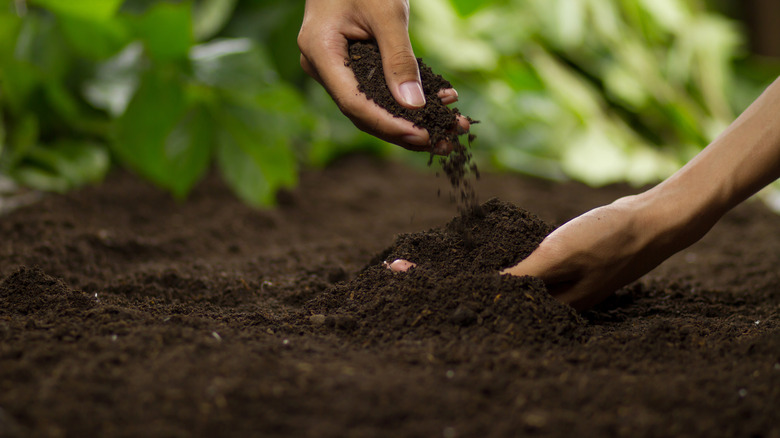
(679, 215)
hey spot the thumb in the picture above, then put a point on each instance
(400, 65)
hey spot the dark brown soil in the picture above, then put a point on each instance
(124, 313)
(438, 119)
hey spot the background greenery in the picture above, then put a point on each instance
(596, 90)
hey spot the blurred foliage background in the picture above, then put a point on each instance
(596, 90)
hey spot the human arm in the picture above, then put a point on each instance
(591, 256)
(323, 38)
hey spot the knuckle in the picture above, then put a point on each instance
(398, 9)
(302, 41)
(402, 61)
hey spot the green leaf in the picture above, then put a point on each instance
(235, 64)
(140, 133)
(59, 97)
(87, 9)
(166, 30)
(187, 151)
(115, 80)
(17, 82)
(254, 156)
(20, 140)
(9, 29)
(40, 44)
(94, 39)
(63, 166)
(467, 7)
(40, 179)
(164, 136)
(210, 16)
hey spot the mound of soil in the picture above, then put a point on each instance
(126, 313)
(30, 291)
(455, 287)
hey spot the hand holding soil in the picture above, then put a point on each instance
(323, 40)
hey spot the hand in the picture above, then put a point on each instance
(590, 257)
(328, 24)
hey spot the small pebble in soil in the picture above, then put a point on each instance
(318, 319)
(463, 317)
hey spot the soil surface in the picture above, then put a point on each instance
(125, 313)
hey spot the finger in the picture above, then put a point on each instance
(339, 80)
(309, 69)
(448, 96)
(400, 65)
(463, 125)
(445, 147)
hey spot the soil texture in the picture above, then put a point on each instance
(126, 313)
(438, 119)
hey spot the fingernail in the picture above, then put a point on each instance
(415, 140)
(449, 96)
(412, 94)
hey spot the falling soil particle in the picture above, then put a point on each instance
(438, 119)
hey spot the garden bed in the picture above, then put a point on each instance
(123, 312)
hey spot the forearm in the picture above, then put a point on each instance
(741, 161)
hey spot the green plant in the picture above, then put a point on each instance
(149, 85)
(597, 90)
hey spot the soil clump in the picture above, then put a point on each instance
(438, 119)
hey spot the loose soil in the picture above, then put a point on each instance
(438, 119)
(125, 313)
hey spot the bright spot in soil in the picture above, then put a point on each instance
(285, 342)
(757, 322)
(450, 374)
(113, 338)
(216, 336)
(742, 392)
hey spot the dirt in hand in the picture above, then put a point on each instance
(438, 119)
